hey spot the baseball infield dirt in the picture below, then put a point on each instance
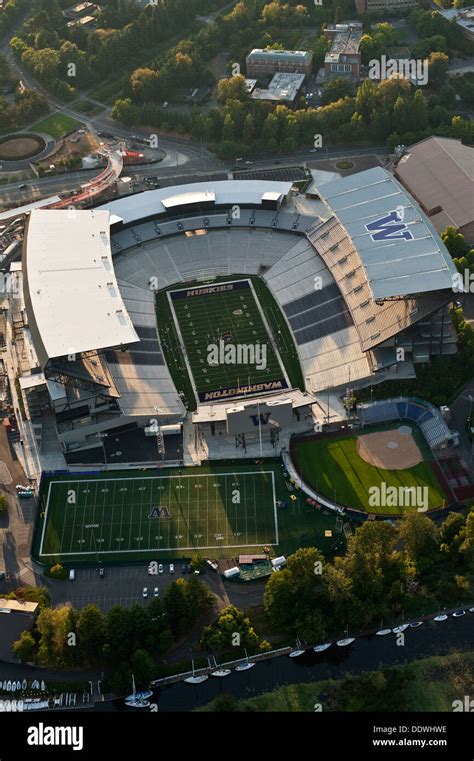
(390, 450)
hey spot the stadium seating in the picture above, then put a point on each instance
(378, 412)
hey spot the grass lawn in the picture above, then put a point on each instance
(132, 516)
(334, 469)
(57, 125)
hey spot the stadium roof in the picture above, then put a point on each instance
(182, 199)
(226, 192)
(71, 294)
(11, 213)
(398, 247)
(439, 171)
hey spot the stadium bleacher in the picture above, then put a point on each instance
(425, 415)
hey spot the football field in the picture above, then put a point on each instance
(227, 317)
(129, 516)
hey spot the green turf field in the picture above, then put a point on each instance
(333, 468)
(172, 512)
(109, 521)
(57, 125)
(227, 318)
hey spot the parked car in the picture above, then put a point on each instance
(156, 592)
(145, 592)
(72, 574)
(160, 568)
(171, 568)
(23, 187)
(101, 573)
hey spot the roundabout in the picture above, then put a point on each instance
(18, 149)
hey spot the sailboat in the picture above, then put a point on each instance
(138, 699)
(219, 672)
(245, 665)
(322, 648)
(400, 628)
(382, 632)
(196, 679)
(298, 651)
(346, 641)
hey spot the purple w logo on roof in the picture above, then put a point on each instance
(390, 227)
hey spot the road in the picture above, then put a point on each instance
(181, 156)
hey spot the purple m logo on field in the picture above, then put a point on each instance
(390, 227)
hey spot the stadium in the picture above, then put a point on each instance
(223, 320)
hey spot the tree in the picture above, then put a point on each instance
(454, 241)
(418, 111)
(418, 534)
(25, 647)
(143, 667)
(176, 606)
(248, 131)
(294, 597)
(3, 504)
(232, 628)
(450, 535)
(447, 97)
(232, 89)
(91, 633)
(336, 89)
(466, 548)
(437, 69)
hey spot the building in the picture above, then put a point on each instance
(385, 284)
(80, 10)
(384, 6)
(16, 616)
(464, 18)
(343, 58)
(439, 173)
(250, 85)
(283, 88)
(261, 63)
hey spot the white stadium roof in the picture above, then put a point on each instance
(182, 199)
(70, 285)
(230, 192)
(399, 248)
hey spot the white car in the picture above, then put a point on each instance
(145, 592)
(160, 568)
(156, 592)
(171, 568)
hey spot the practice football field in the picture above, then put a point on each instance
(131, 515)
(226, 318)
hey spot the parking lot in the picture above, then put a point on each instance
(283, 174)
(121, 585)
